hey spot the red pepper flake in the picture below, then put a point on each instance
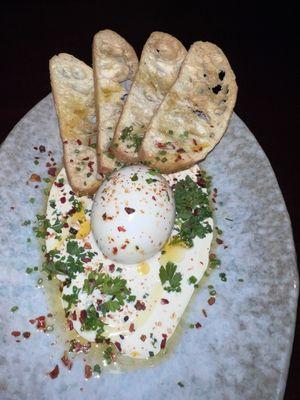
(90, 165)
(195, 142)
(201, 182)
(115, 250)
(54, 373)
(129, 210)
(41, 322)
(59, 184)
(123, 246)
(35, 178)
(111, 267)
(88, 371)
(62, 199)
(104, 216)
(164, 341)
(66, 225)
(181, 150)
(83, 315)
(66, 361)
(219, 241)
(164, 301)
(212, 256)
(87, 245)
(86, 260)
(143, 338)
(86, 159)
(52, 171)
(42, 149)
(118, 346)
(204, 313)
(16, 333)
(70, 325)
(121, 229)
(74, 315)
(160, 145)
(26, 335)
(32, 321)
(79, 142)
(211, 301)
(198, 325)
(140, 305)
(131, 328)
(154, 198)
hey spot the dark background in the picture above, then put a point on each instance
(258, 38)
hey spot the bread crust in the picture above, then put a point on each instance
(114, 66)
(160, 62)
(73, 93)
(195, 114)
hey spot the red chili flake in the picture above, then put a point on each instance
(121, 229)
(164, 301)
(163, 342)
(52, 171)
(87, 245)
(70, 325)
(219, 241)
(83, 315)
(115, 250)
(111, 267)
(41, 322)
(90, 165)
(154, 198)
(211, 301)
(118, 346)
(16, 333)
(62, 199)
(86, 260)
(201, 182)
(65, 360)
(26, 335)
(204, 313)
(48, 164)
(212, 256)
(78, 347)
(131, 328)
(178, 158)
(160, 145)
(88, 371)
(66, 225)
(140, 305)
(35, 178)
(181, 150)
(195, 141)
(123, 246)
(74, 315)
(42, 149)
(129, 210)
(86, 158)
(104, 216)
(143, 338)
(79, 142)
(198, 325)
(32, 321)
(59, 184)
(54, 373)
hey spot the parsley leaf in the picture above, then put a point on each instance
(169, 274)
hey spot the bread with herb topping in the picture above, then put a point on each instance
(160, 62)
(114, 64)
(73, 93)
(194, 115)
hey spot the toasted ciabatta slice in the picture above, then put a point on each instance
(195, 113)
(73, 93)
(159, 65)
(114, 64)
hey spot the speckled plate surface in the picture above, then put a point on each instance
(243, 348)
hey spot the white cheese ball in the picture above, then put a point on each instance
(133, 214)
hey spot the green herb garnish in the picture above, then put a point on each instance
(134, 139)
(14, 309)
(169, 274)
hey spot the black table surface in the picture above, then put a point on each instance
(259, 40)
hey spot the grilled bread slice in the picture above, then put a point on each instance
(195, 113)
(159, 65)
(73, 93)
(114, 64)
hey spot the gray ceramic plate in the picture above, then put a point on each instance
(243, 348)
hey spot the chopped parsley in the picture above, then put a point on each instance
(92, 322)
(223, 276)
(192, 280)
(134, 177)
(97, 369)
(180, 384)
(14, 309)
(169, 275)
(192, 209)
(72, 298)
(108, 354)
